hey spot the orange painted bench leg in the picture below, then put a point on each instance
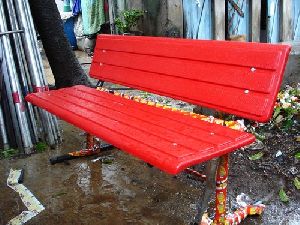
(222, 217)
(221, 189)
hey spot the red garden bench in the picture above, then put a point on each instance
(233, 77)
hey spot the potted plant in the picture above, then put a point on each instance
(127, 20)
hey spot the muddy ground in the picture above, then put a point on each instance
(119, 189)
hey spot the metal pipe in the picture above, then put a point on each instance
(34, 112)
(10, 103)
(11, 32)
(3, 131)
(52, 119)
(23, 69)
(15, 86)
(30, 48)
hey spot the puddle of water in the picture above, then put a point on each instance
(83, 177)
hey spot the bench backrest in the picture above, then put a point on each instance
(238, 78)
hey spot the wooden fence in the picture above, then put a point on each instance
(257, 20)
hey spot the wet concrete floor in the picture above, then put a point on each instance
(120, 189)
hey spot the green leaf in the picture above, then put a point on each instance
(8, 153)
(283, 196)
(297, 183)
(256, 156)
(260, 137)
(297, 156)
(288, 124)
(276, 112)
(41, 146)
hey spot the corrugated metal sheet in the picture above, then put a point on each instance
(197, 19)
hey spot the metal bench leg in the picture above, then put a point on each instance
(221, 216)
(221, 189)
(210, 171)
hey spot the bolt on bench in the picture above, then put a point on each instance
(233, 77)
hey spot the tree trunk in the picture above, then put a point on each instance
(64, 64)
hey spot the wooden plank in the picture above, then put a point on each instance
(219, 19)
(231, 53)
(134, 4)
(120, 6)
(238, 24)
(199, 93)
(175, 14)
(296, 20)
(163, 66)
(273, 21)
(112, 15)
(227, 75)
(287, 20)
(130, 126)
(198, 19)
(255, 20)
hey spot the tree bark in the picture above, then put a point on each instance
(63, 62)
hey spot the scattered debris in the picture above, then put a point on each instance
(33, 205)
(279, 153)
(294, 170)
(257, 145)
(287, 107)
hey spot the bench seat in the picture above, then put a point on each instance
(166, 139)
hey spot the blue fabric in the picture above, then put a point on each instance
(77, 7)
(92, 16)
(69, 31)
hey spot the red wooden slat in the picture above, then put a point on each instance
(147, 129)
(231, 53)
(126, 131)
(238, 78)
(175, 120)
(236, 44)
(212, 96)
(149, 123)
(226, 75)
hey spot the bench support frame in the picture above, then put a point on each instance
(221, 189)
(217, 177)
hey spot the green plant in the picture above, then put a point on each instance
(8, 153)
(287, 107)
(41, 146)
(128, 19)
(283, 196)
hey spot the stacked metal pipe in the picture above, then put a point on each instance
(21, 124)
